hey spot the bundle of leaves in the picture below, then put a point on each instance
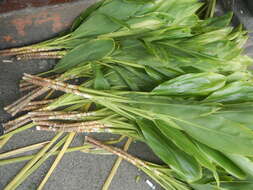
(154, 71)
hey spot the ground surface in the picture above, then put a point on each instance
(77, 170)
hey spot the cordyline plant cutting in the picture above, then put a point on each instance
(163, 72)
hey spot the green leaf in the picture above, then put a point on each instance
(115, 80)
(202, 123)
(172, 32)
(139, 26)
(239, 76)
(184, 143)
(90, 29)
(240, 185)
(183, 9)
(85, 14)
(214, 23)
(129, 81)
(141, 78)
(154, 74)
(118, 21)
(208, 37)
(246, 164)
(199, 84)
(240, 91)
(100, 82)
(219, 133)
(223, 161)
(185, 165)
(120, 9)
(93, 50)
(139, 1)
(98, 23)
(206, 187)
(241, 113)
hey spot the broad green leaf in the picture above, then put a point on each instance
(181, 10)
(222, 49)
(241, 113)
(173, 32)
(238, 185)
(134, 52)
(98, 23)
(223, 161)
(118, 21)
(120, 9)
(115, 80)
(185, 165)
(155, 74)
(139, 1)
(131, 83)
(199, 84)
(140, 78)
(208, 37)
(100, 82)
(246, 164)
(219, 133)
(239, 63)
(85, 14)
(201, 122)
(179, 55)
(134, 78)
(214, 23)
(93, 50)
(184, 143)
(181, 50)
(158, 6)
(240, 91)
(206, 187)
(90, 29)
(239, 76)
(140, 26)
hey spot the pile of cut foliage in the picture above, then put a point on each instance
(153, 71)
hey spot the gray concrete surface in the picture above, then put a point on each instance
(77, 170)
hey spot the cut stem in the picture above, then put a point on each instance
(9, 128)
(22, 104)
(57, 160)
(53, 115)
(42, 55)
(135, 161)
(43, 158)
(86, 124)
(85, 148)
(26, 50)
(4, 141)
(23, 149)
(32, 162)
(116, 166)
(18, 130)
(14, 104)
(74, 129)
